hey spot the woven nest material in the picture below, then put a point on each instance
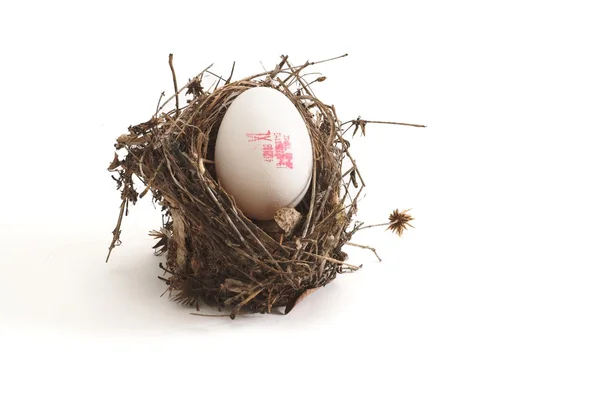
(216, 254)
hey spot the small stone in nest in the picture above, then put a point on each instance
(287, 219)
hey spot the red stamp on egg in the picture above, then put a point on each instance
(277, 147)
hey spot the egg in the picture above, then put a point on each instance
(263, 153)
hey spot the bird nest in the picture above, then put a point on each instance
(215, 254)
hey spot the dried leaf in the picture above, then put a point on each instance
(362, 124)
(115, 163)
(353, 178)
(162, 245)
(359, 124)
(295, 300)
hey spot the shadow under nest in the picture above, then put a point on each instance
(214, 252)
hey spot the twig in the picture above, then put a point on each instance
(260, 244)
(295, 69)
(365, 247)
(329, 59)
(117, 231)
(277, 69)
(392, 123)
(224, 213)
(211, 315)
(231, 74)
(372, 226)
(175, 85)
(313, 197)
(182, 89)
(359, 121)
(347, 151)
(333, 260)
(158, 103)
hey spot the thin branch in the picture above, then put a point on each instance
(359, 121)
(365, 247)
(372, 226)
(333, 260)
(183, 88)
(211, 315)
(231, 74)
(117, 231)
(174, 85)
(158, 103)
(295, 69)
(329, 59)
(392, 123)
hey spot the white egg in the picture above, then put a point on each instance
(263, 153)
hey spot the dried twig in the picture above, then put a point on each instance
(174, 85)
(117, 231)
(392, 123)
(367, 248)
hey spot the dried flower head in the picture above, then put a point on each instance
(162, 245)
(399, 220)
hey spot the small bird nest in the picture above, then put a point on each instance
(216, 254)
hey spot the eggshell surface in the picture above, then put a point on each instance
(263, 153)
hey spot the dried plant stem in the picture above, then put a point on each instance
(295, 70)
(214, 198)
(392, 123)
(117, 230)
(174, 85)
(359, 121)
(212, 315)
(182, 89)
(372, 226)
(230, 74)
(158, 103)
(366, 248)
(333, 260)
(328, 59)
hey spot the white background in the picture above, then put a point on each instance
(493, 295)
